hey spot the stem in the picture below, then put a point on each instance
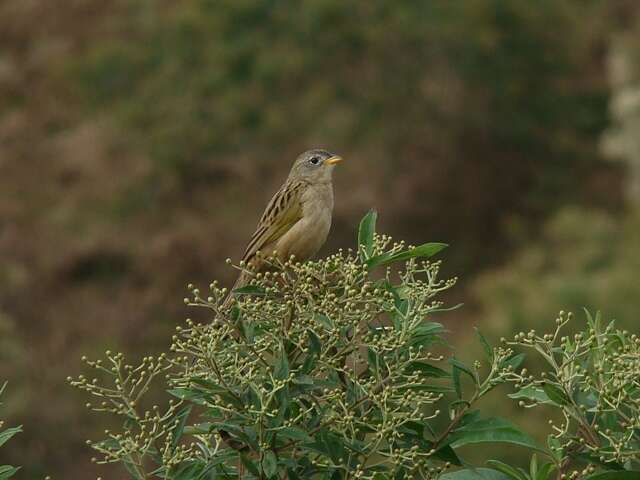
(454, 423)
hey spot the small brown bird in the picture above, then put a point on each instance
(298, 217)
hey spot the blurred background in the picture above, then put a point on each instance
(141, 139)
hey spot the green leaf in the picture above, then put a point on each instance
(7, 471)
(427, 370)
(426, 334)
(366, 233)
(468, 418)
(429, 328)
(324, 321)
(533, 467)
(270, 464)
(200, 428)
(413, 428)
(188, 470)
(423, 251)
(458, 364)
(247, 329)
(305, 380)
(477, 474)
(531, 392)
(190, 395)
(310, 363)
(625, 475)
(331, 445)
(544, 473)
(372, 359)
(8, 433)
(131, 468)
(250, 464)
(250, 290)
(357, 446)
(232, 399)
(283, 400)
(315, 345)
(508, 470)
(292, 475)
(491, 430)
(211, 387)
(594, 323)
(315, 348)
(448, 454)
(488, 351)
(295, 433)
(401, 474)
(182, 416)
(462, 367)
(555, 448)
(587, 458)
(556, 394)
(281, 369)
(513, 362)
(401, 304)
(252, 397)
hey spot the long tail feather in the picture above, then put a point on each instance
(242, 280)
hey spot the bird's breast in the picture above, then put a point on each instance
(308, 235)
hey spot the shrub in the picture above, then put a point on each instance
(593, 377)
(334, 369)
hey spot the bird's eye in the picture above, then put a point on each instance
(314, 160)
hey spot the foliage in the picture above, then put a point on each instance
(594, 378)
(456, 93)
(333, 369)
(325, 369)
(224, 72)
(581, 258)
(7, 471)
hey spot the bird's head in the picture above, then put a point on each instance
(314, 166)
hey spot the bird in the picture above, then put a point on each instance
(297, 220)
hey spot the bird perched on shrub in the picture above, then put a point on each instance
(298, 217)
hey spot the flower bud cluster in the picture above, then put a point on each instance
(118, 388)
(593, 376)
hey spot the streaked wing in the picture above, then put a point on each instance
(283, 211)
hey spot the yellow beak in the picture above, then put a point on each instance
(333, 160)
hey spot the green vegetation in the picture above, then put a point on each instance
(582, 259)
(435, 81)
(333, 369)
(140, 140)
(7, 471)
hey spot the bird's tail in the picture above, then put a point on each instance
(242, 280)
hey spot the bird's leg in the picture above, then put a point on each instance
(287, 321)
